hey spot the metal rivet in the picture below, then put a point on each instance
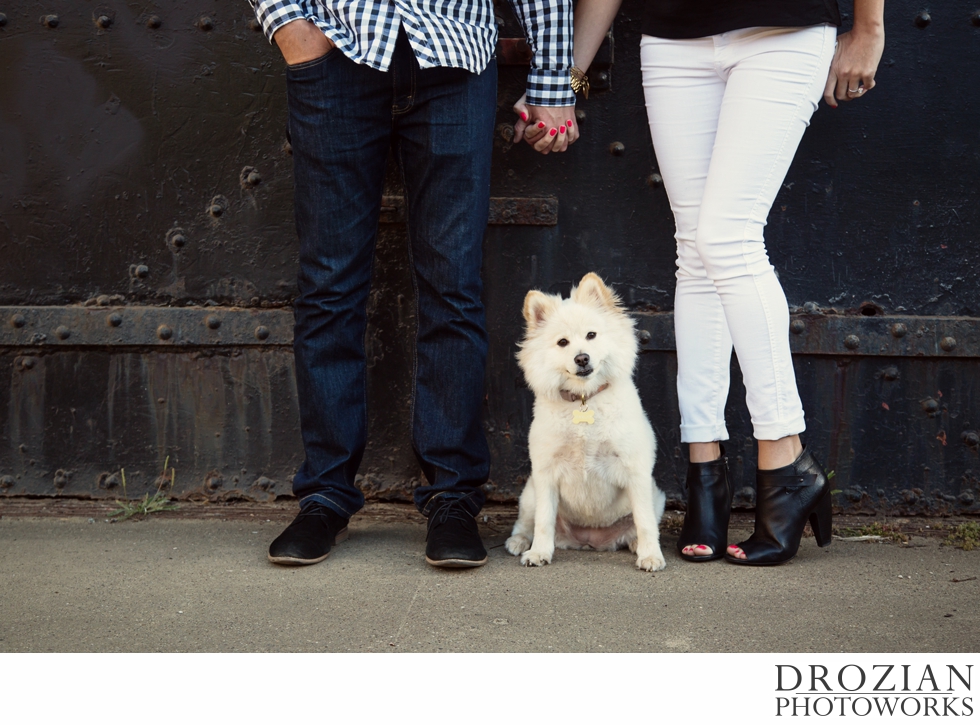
(616, 148)
(217, 206)
(178, 240)
(27, 363)
(655, 180)
(6, 482)
(164, 332)
(261, 332)
(205, 23)
(890, 373)
(930, 406)
(254, 24)
(49, 21)
(797, 326)
(103, 21)
(812, 308)
(643, 336)
(899, 330)
(250, 176)
(948, 344)
(17, 320)
(141, 270)
(971, 438)
(154, 22)
(114, 320)
(62, 332)
(922, 19)
(852, 342)
(3, 20)
(213, 322)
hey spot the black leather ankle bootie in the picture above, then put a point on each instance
(785, 498)
(709, 506)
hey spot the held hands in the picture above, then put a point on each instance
(852, 71)
(546, 128)
(300, 41)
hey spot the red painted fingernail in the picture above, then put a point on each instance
(541, 124)
(561, 129)
(568, 123)
(523, 116)
(553, 132)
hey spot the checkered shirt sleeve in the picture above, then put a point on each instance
(443, 33)
(273, 14)
(548, 28)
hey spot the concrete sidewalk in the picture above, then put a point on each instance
(173, 583)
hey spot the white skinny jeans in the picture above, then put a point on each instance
(727, 113)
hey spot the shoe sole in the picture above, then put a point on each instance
(746, 562)
(456, 563)
(701, 559)
(293, 561)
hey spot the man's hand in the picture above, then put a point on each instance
(546, 128)
(301, 41)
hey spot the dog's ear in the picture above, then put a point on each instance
(591, 290)
(537, 307)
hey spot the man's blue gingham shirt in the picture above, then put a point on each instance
(448, 33)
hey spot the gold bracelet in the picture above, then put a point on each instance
(580, 82)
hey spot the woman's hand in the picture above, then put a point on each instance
(546, 128)
(852, 71)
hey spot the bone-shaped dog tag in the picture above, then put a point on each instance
(583, 416)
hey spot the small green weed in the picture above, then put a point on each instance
(159, 501)
(965, 536)
(886, 531)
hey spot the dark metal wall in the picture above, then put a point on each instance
(147, 262)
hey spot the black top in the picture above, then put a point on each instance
(700, 18)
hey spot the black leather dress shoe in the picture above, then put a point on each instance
(453, 540)
(309, 538)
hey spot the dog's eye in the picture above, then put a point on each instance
(562, 342)
(590, 336)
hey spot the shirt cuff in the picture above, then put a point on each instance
(550, 88)
(273, 14)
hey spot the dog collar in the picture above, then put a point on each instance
(573, 398)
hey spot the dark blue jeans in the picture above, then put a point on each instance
(343, 119)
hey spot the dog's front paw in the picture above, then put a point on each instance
(535, 558)
(652, 562)
(517, 544)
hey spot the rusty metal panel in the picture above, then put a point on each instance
(145, 173)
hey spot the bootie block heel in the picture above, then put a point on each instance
(709, 506)
(785, 499)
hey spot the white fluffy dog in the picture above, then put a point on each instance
(592, 448)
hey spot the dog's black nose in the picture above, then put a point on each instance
(582, 360)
